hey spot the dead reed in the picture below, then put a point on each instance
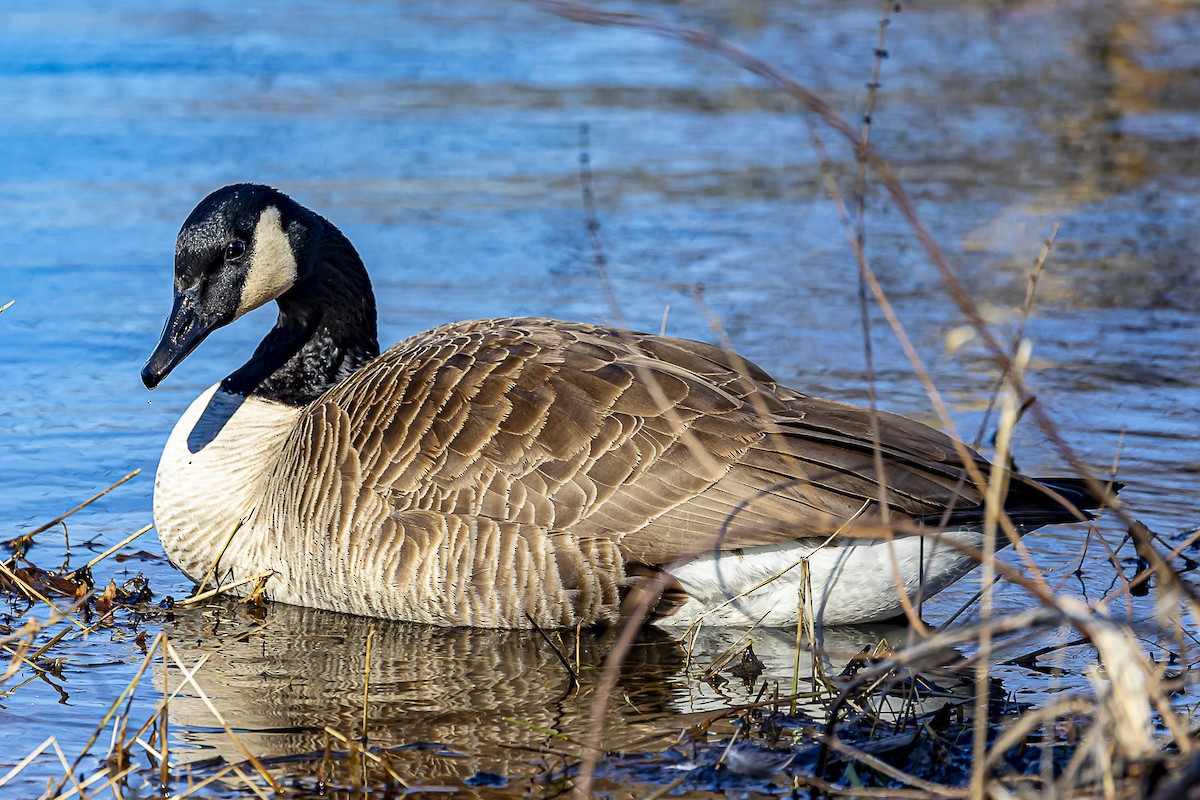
(925, 720)
(1122, 707)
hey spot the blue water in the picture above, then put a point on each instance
(444, 140)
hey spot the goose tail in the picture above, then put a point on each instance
(1034, 502)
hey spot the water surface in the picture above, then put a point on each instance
(444, 139)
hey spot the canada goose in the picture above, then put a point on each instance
(509, 472)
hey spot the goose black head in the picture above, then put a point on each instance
(241, 247)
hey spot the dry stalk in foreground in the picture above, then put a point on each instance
(1132, 697)
(703, 40)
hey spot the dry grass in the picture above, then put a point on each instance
(921, 721)
(1124, 703)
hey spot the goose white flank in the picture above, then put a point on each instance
(511, 472)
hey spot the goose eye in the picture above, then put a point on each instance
(235, 250)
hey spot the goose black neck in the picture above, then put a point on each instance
(325, 331)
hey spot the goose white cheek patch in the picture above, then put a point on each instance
(272, 268)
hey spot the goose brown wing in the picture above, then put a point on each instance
(666, 445)
(542, 421)
(800, 480)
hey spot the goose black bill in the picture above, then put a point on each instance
(185, 329)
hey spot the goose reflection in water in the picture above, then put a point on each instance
(450, 703)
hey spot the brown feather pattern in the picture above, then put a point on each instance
(502, 468)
